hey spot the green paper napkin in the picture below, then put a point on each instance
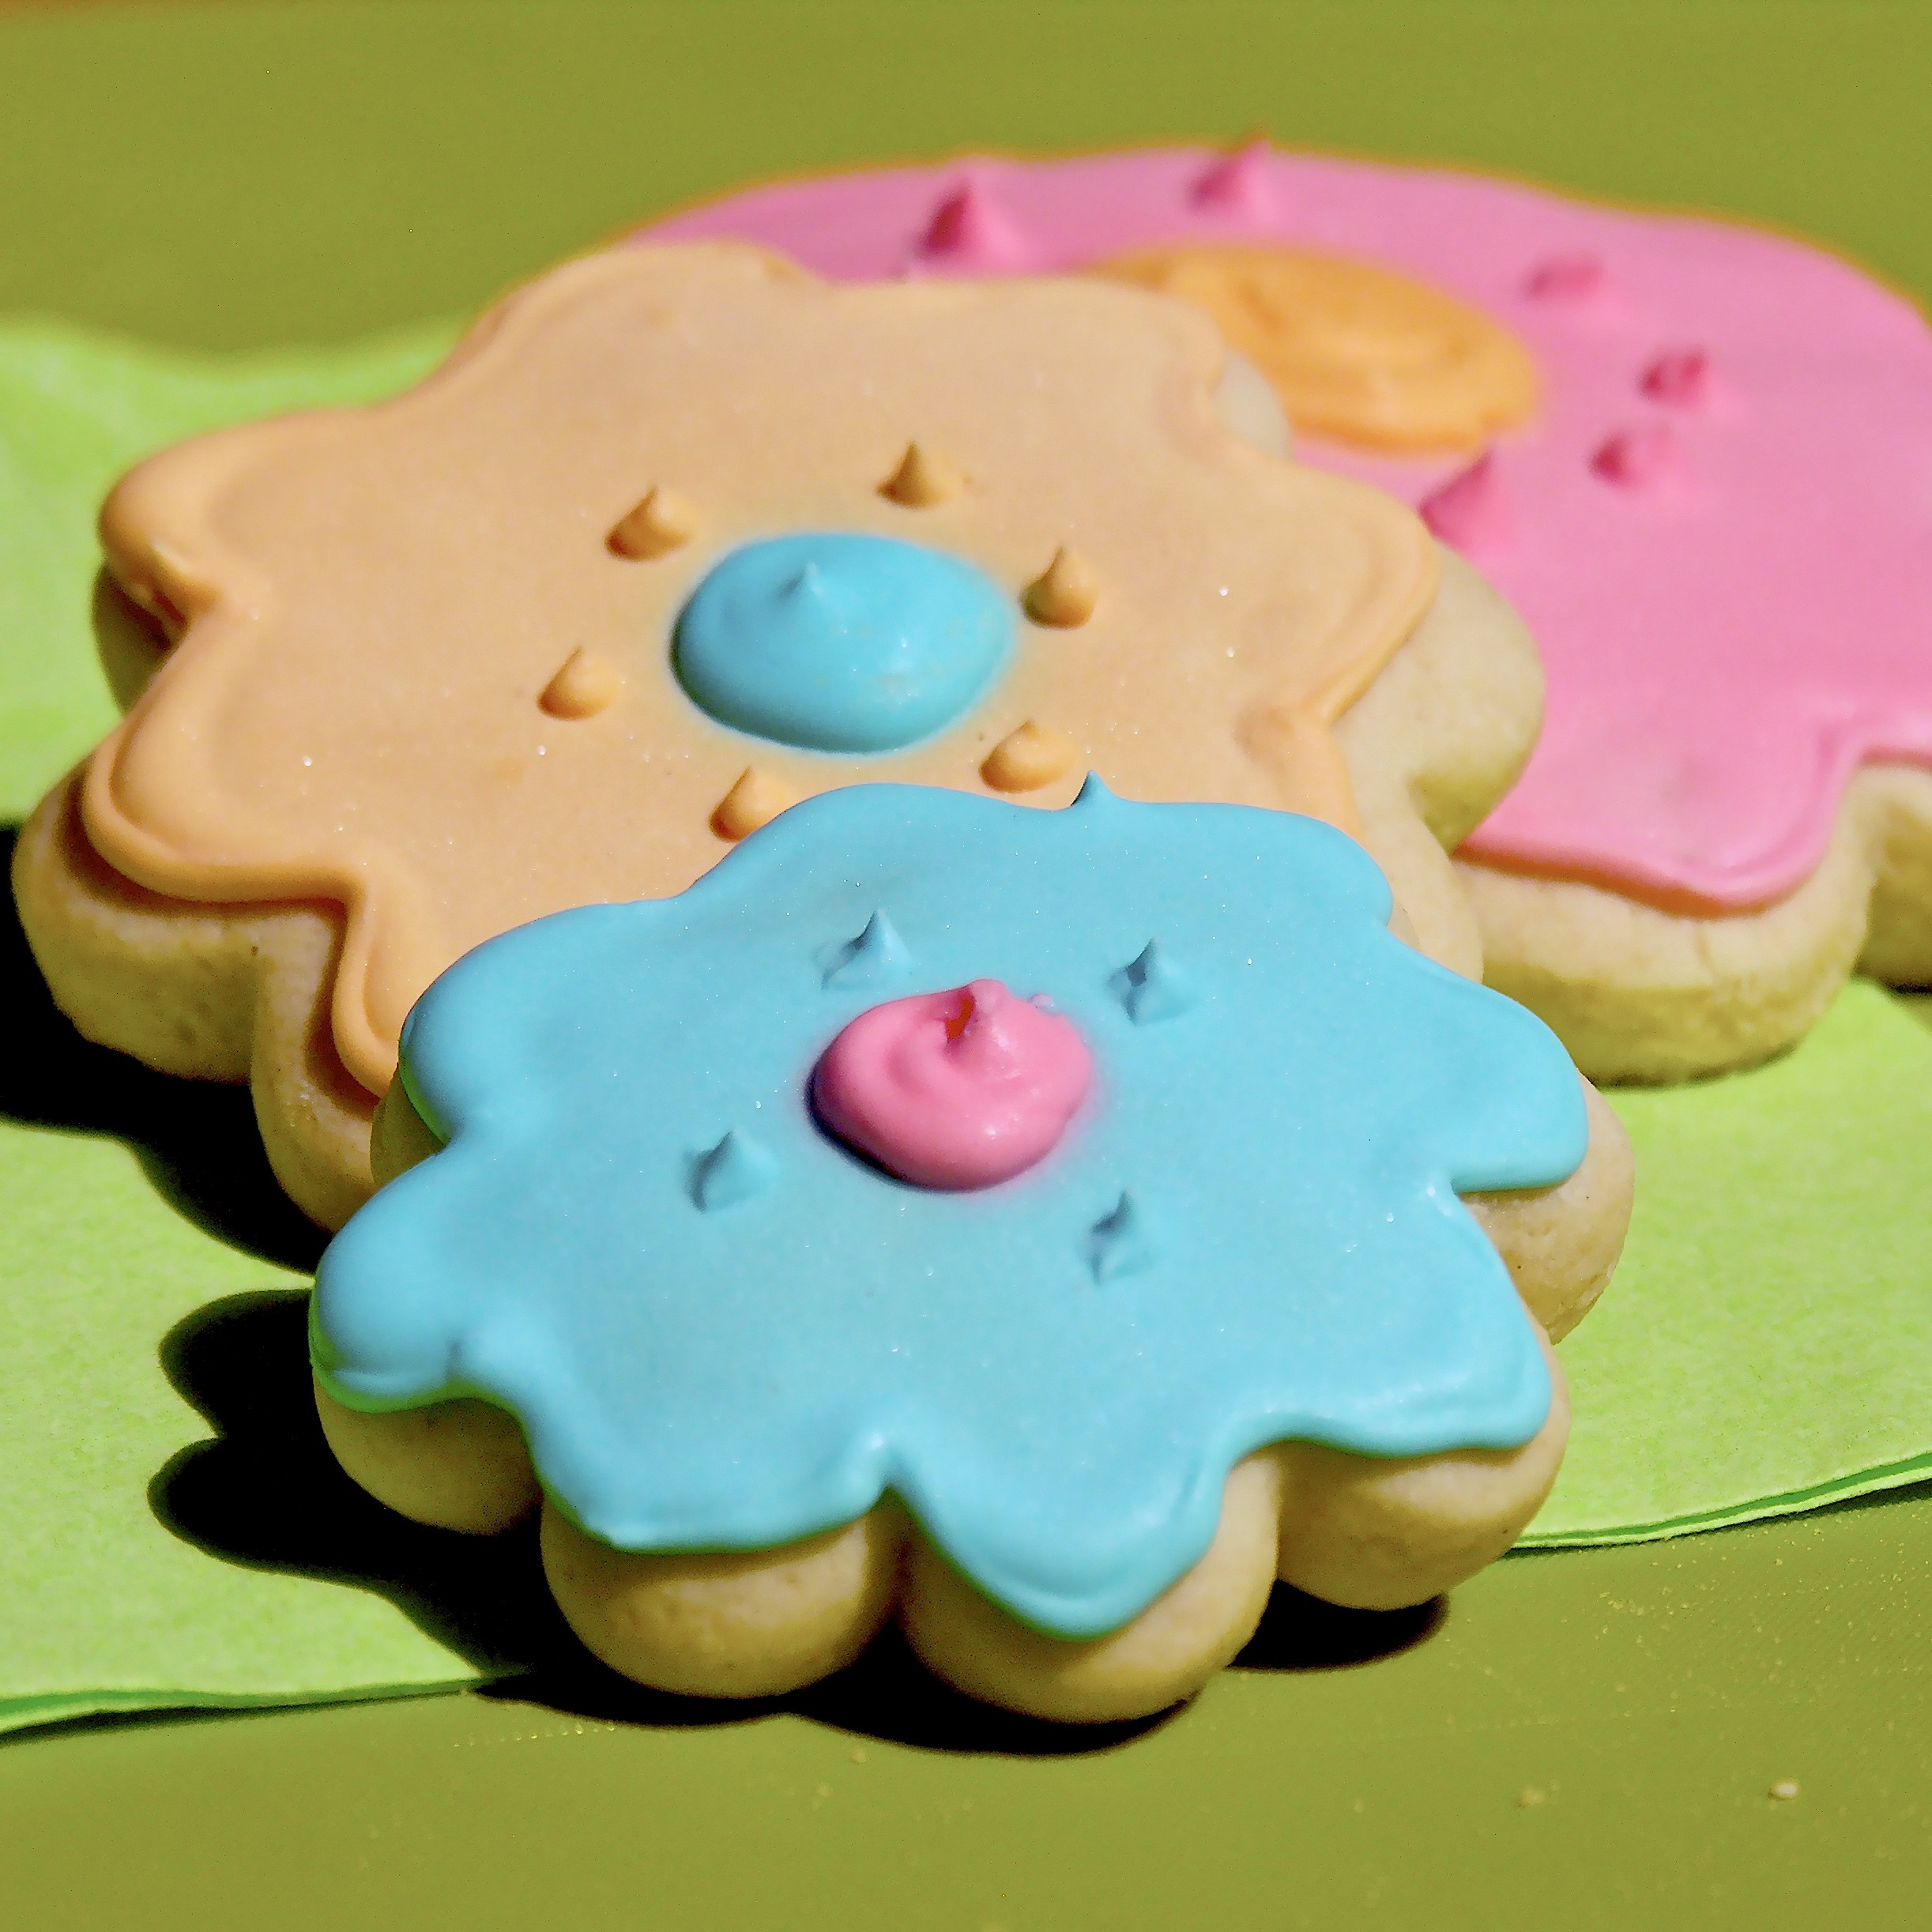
(101, 1607)
(1767, 1343)
(172, 1530)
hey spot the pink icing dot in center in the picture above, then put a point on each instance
(954, 1089)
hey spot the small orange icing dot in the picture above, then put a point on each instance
(662, 521)
(1066, 594)
(1025, 759)
(923, 479)
(754, 799)
(583, 685)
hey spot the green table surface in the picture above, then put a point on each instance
(1586, 1739)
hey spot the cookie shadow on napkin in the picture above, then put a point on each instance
(195, 1139)
(268, 1493)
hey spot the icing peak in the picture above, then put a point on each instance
(923, 479)
(1237, 184)
(1151, 987)
(1576, 278)
(1681, 377)
(1470, 511)
(1065, 593)
(1118, 1242)
(1028, 757)
(732, 1171)
(755, 799)
(662, 521)
(1638, 459)
(876, 954)
(970, 231)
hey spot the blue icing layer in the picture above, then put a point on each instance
(841, 642)
(1250, 1234)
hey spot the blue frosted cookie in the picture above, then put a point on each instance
(775, 1369)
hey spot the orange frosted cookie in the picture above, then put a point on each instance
(447, 664)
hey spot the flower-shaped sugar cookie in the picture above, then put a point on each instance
(1200, 1307)
(676, 537)
(1693, 454)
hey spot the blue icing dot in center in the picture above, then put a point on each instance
(838, 643)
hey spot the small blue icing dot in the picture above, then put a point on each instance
(731, 1340)
(1151, 987)
(876, 956)
(1119, 1243)
(838, 643)
(733, 1171)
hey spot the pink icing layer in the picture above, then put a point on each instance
(1720, 532)
(954, 1089)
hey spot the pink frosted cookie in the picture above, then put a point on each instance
(1697, 457)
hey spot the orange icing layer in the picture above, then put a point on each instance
(377, 601)
(1356, 353)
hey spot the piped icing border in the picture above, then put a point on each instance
(425, 667)
(1719, 530)
(722, 1328)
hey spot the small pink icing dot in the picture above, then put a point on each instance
(1636, 459)
(1680, 377)
(954, 1089)
(1237, 184)
(970, 229)
(1470, 511)
(1565, 278)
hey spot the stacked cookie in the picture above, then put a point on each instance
(1045, 1182)
(1690, 453)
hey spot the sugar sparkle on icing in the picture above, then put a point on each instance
(961, 1089)
(842, 642)
(1726, 642)
(1251, 1233)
